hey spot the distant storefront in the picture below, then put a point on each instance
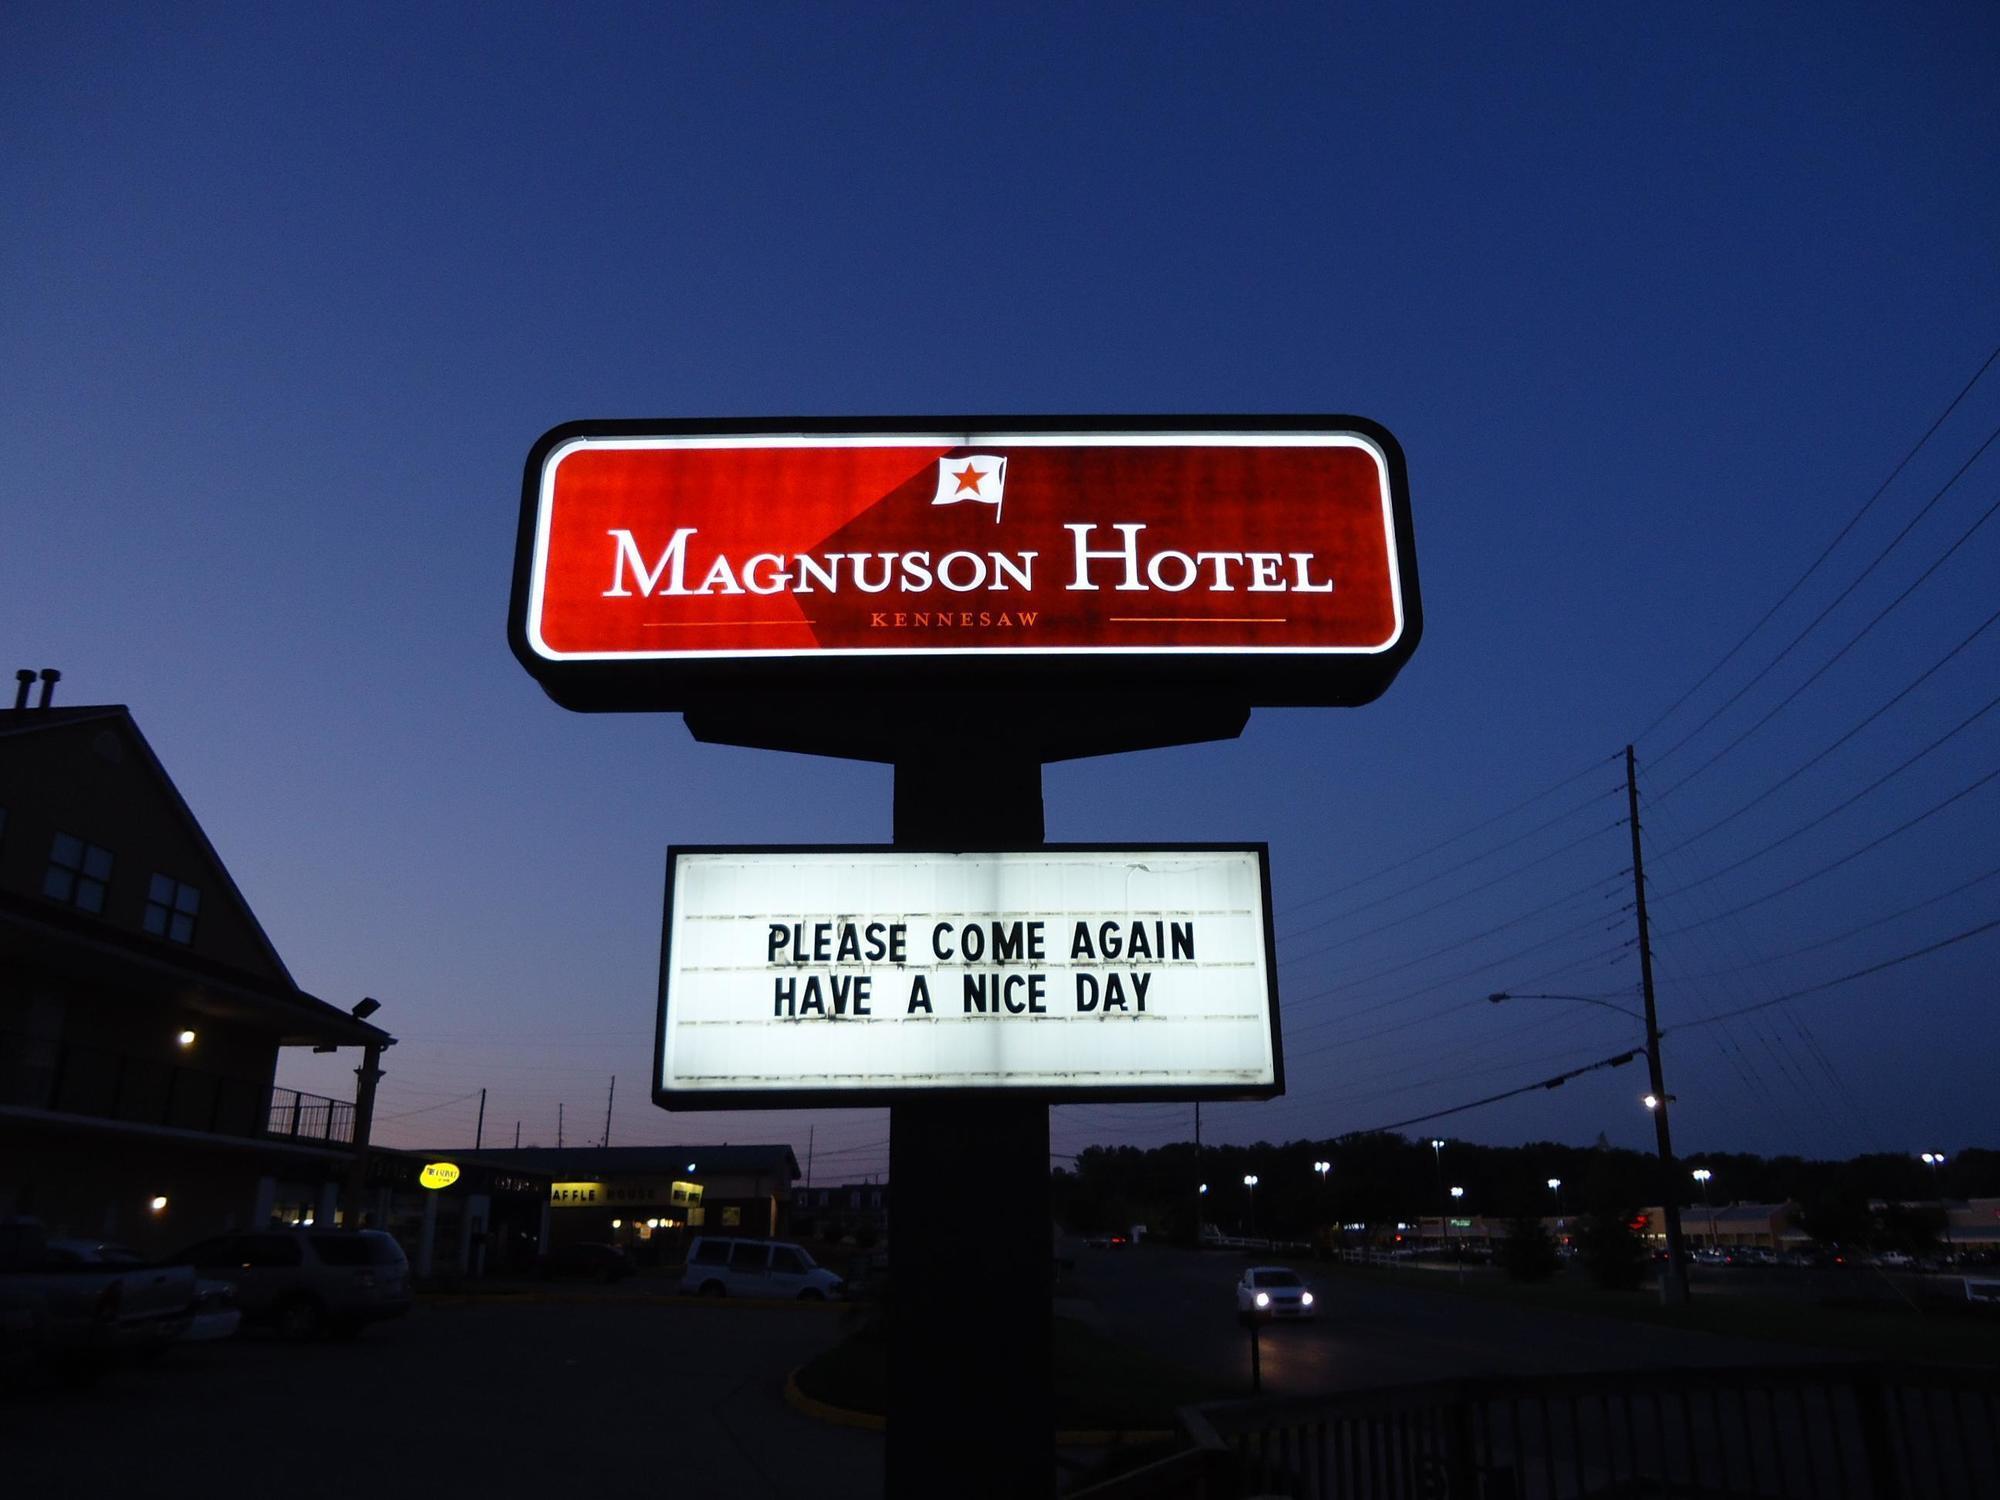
(488, 1219)
(652, 1199)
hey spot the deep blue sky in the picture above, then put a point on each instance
(1654, 302)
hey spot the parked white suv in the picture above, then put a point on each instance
(728, 1267)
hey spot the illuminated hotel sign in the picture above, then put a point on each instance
(660, 564)
(803, 976)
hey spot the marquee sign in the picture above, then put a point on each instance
(660, 564)
(794, 977)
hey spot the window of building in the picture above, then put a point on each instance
(77, 874)
(732, 1218)
(171, 908)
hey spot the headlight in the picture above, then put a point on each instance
(1305, 1299)
(1263, 1299)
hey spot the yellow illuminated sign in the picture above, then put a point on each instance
(438, 1174)
(576, 1194)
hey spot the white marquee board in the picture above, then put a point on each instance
(837, 976)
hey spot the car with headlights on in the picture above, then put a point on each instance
(1274, 1292)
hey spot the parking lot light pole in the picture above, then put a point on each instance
(1458, 1255)
(1324, 1167)
(1934, 1160)
(1437, 1160)
(1556, 1191)
(1250, 1197)
(1702, 1176)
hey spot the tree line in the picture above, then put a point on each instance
(1380, 1179)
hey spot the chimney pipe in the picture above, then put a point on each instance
(50, 677)
(26, 678)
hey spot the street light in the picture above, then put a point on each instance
(1702, 1175)
(1437, 1160)
(1673, 1285)
(1250, 1185)
(1934, 1160)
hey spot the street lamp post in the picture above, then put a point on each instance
(1437, 1158)
(1250, 1196)
(1556, 1190)
(1674, 1284)
(1702, 1176)
(1934, 1160)
(1324, 1167)
(1458, 1250)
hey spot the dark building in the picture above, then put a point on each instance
(854, 1211)
(651, 1198)
(143, 1008)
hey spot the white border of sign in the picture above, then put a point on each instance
(1209, 1029)
(996, 437)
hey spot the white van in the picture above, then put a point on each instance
(727, 1267)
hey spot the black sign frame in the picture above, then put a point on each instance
(836, 1098)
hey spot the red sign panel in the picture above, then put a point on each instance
(1244, 539)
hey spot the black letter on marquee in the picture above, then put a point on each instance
(920, 994)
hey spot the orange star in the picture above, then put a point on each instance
(968, 479)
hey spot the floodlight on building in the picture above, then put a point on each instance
(159, 1203)
(186, 1038)
(365, 1007)
(617, 1223)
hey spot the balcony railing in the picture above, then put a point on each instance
(104, 1084)
(310, 1117)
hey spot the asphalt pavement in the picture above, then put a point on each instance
(1180, 1305)
(502, 1398)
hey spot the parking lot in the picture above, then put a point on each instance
(526, 1396)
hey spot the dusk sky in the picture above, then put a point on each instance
(1655, 302)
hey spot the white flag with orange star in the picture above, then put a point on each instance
(979, 476)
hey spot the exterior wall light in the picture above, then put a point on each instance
(159, 1203)
(186, 1038)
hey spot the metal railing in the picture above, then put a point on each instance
(1810, 1431)
(102, 1083)
(310, 1117)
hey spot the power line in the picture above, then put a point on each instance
(1486, 885)
(1880, 781)
(1785, 702)
(1838, 599)
(1814, 989)
(1556, 1082)
(1446, 843)
(1793, 775)
(1929, 812)
(1356, 911)
(1846, 933)
(1827, 550)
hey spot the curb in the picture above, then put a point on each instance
(868, 1421)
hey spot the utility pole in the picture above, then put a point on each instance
(809, 1157)
(517, 1135)
(479, 1130)
(612, 1094)
(1674, 1283)
(559, 1124)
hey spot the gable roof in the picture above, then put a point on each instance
(27, 721)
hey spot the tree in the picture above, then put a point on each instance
(1613, 1252)
(1528, 1253)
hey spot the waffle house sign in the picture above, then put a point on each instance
(660, 564)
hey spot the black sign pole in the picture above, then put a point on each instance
(971, 1252)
